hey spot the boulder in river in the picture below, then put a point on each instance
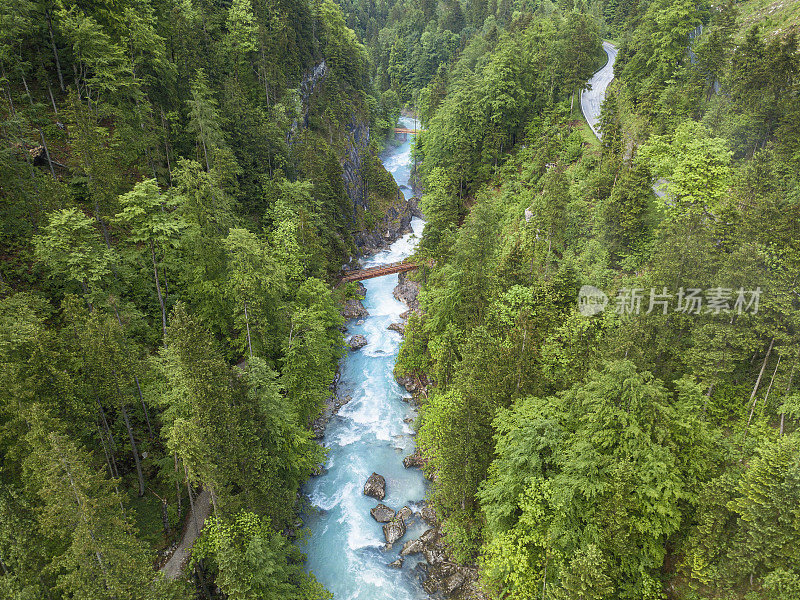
(398, 327)
(394, 530)
(404, 514)
(429, 514)
(375, 486)
(414, 460)
(353, 309)
(357, 342)
(398, 564)
(412, 547)
(382, 513)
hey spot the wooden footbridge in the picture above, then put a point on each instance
(403, 132)
(380, 271)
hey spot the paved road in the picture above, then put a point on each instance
(592, 99)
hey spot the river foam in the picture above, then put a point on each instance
(345, 548)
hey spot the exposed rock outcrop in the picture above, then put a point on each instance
(412, 547)
(398, 327)
(429, 515)
(382, 513)
(375, 487)
(397, 564)
(408, 382)
(353, 309)
(394, 530)
(414, 460)
(406, 291)
(357, 342)
(395, 222)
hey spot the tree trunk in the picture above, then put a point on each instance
(205, 154)
(134, 449)
(166, 144)
(144, 407)
(158, 290)
(41, 133)
(178, 488)
(247, 323)
(789, 388)
(191, 500)
(135, 379)
(755, 387)
(50, 93)
(772, 380)
(112, 472)
(55, 50)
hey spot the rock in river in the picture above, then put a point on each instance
(382, 513)
(398, 564)
(412, 547)
(404, 514)
(398, 327)
(414, 460)
(357, 342)
(375, 486)
(429, 515)
(353, 309)
(394, 530)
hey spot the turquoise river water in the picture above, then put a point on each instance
(345, 547)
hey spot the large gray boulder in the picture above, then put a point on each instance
(382, 513)
(429, 514)
(357, 342)
(353, 309)
(412, 547)
(375, 487)
(418, 546)
(452, 583)
(404, 514)
(394, 530)
(413, 460)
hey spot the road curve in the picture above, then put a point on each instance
(592, 99)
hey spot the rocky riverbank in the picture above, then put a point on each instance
(441, 577)
(395, 223)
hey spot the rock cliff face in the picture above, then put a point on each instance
(395, 222)
(379, 213)
(352, 164)
(395, 219)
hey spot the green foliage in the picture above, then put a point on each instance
(615, 449)
(255, 562)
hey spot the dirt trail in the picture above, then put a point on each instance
(194, 524)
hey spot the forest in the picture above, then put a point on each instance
(650, 450)
(181, 182)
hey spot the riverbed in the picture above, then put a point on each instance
(369, 434)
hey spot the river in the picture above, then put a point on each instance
(345, 547)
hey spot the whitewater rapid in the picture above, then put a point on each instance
(345, 547)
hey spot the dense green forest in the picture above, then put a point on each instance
(174, 201)
(650, 450)
(180, 182)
